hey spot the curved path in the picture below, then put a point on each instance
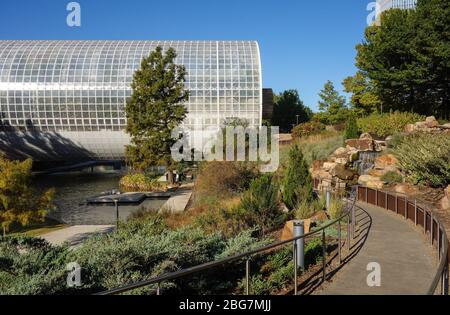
(405, 258)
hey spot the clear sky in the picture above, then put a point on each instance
(303, 42)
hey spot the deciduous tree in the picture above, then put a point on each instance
(289, 111)
(19, 202)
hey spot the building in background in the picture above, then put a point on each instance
(65, 100)
(384, 5)
(267, 100)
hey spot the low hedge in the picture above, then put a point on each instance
(383, 125)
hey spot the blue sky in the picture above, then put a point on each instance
(303, 42)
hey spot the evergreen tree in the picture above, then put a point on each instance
(407, 58)
(297, 182)
(154, 110)
(19, 203)
(364, 100)
(288, 110)
(332, 105)
(261, 202)
(351, 129)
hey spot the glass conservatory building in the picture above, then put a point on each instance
(65, 100)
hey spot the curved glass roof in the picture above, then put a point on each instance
(84, 85)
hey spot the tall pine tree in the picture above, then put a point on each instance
(297, 183)
(155, 109)
(332, 105)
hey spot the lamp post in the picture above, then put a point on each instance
(117, 213)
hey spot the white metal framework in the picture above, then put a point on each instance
(79, 89)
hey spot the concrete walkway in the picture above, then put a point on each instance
(179, 200)
(75, 234)
(405, 258)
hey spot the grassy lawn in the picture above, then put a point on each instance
(35, 230)
(315, 147)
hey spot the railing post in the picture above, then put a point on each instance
(117, 214)
(424, 221)
(353, 222)
(247, 276)
(299, 230)
(415, 211)
(376, 197)
(348, 232)
(396, 203)
(324, 256)
(367, 201)
(386, 200)
(339, 242)
(294, 250)
(406, 208)
(431, 228)
(439, 243)
(328, 198)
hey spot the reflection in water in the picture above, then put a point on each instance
(72, 189)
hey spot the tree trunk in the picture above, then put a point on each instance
(170, 177)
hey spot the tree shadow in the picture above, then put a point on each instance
(30, 142)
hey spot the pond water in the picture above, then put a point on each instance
(72, 190)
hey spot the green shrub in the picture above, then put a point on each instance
(297, 182)
(219, 180)
(351, 129)
(139, 250)
(304, 211)
(383, 125)
(140, 182)
(392, 177)
(336, 208)
(307, 129)
(261, 204)
(425, 158)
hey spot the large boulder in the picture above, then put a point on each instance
(360, 144)
(328, 166)
(371, 181)
(340, 151)
(341, 172)
(365, 136)
(317, 165)
(322, 174)
(431, 122)
(386, 161)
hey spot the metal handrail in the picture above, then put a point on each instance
(209, 265)
(441, 275)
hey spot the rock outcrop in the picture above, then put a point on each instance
(338, 171)
(430, 125)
